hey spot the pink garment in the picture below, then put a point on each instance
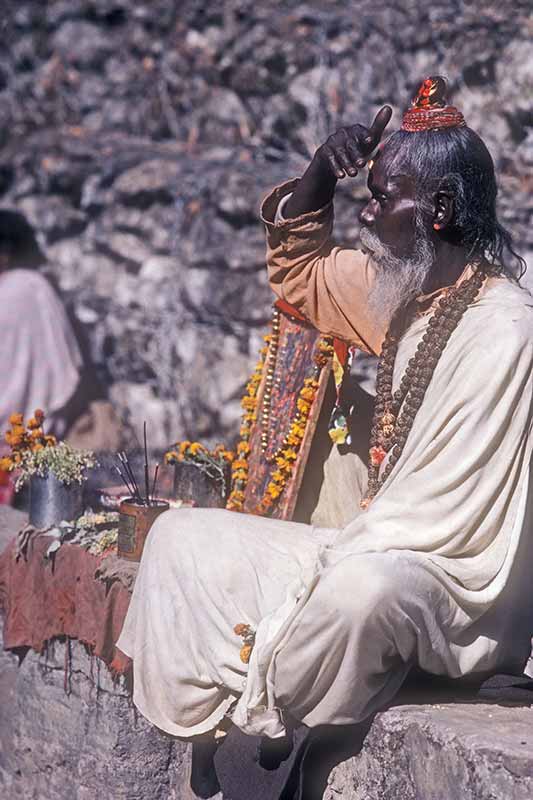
(40, 361)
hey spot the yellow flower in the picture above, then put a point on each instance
(278, 477)
(303, 406)
(245, 653)
(243, 448)
(36, 447)
(16, 419)
(170, 457)
(37, 433)
(249, 403)
(274, 490)
(297, 429)
(183, 447)
(240, 464)
(239, 475)
(51, 441)
(307, 393)
(196, 448)
(6, 465)
(289, 454)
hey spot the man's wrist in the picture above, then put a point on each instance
(314, 191)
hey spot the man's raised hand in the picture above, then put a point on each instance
(344, 153)
(347, 150)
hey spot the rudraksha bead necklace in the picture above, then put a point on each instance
(394, 413)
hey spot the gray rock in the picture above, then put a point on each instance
(81, 744)
(82, 44)
(153, 181)
(52, 216)
(441, 752)
(127, 247)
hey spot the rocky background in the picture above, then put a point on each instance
(138, 137)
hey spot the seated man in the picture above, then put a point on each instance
(431, 565)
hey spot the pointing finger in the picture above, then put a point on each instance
(381, 120)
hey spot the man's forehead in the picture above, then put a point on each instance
(380, 176)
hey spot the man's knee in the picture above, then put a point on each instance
(362, 587)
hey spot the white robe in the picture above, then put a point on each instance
(437, 572)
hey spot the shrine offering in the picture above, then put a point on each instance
(54, 471)
(201, 476)
(135, 522)
(138, 512)
(281, 405)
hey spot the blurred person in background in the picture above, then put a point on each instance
(42, 365)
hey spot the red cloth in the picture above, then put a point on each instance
(340, 346)
(42, 601)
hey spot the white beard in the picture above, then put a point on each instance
(397, 280)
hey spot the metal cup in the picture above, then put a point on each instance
(135, 521)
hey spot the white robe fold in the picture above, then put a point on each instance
(438, 571)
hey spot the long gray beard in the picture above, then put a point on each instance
(397, 280)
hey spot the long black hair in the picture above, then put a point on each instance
(457, 160)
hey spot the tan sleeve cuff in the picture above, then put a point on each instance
(271, 202)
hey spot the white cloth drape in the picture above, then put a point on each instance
(438, 571)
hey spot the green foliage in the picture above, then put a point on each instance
(67, 464)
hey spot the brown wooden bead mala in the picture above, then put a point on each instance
(394, 413)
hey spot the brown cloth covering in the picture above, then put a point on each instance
(43, 600)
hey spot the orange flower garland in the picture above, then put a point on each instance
(22, 438)
(239, 474)
(286, 456)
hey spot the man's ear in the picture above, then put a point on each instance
(443, 209)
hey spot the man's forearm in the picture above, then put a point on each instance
(315, 190)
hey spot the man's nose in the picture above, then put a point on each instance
(367, 215)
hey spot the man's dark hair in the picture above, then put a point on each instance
(17, 239)
(457, 160)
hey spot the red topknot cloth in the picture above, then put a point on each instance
(429, 111)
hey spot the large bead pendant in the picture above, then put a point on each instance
(377, 454)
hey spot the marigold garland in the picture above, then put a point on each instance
(25, 438)
(286, 456)
(212, 462)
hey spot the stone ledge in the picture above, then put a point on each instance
(453, 751)
(91, 743)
